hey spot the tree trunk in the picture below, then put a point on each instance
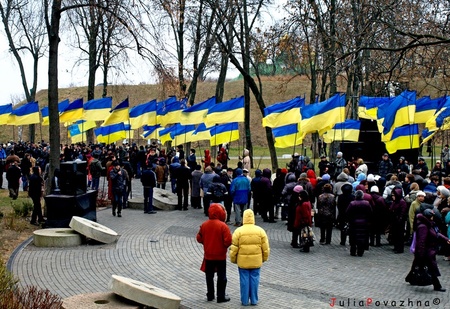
(54, 130)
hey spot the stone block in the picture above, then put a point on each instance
(93, 230)
(56, 237)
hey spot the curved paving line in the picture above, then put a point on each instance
(16, 251)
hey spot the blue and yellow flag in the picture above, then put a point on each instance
(119, 114)
(111, 133)
(404, 137)
(143, 114)
(169, 111)
(73, 112)
(440, 117)
(44, 111)
(397, 113)
(287, 136)
(181, 134)
(151, 131)
(343, 131)
(224, 133)
(201, 133)
(97, 109)
(427, 135)
(427, 108)
(368, 106)
(25, 114)
(5, 110)
(164, 134)
(226, 112)
(197, 112)
(283, 113)
(322, 116)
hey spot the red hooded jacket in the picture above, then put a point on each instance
(215, 234)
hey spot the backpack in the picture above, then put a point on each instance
(217, 192)
(95, 169)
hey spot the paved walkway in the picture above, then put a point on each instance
(161, 249)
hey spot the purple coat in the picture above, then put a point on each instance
(427, 240)
(359, 214)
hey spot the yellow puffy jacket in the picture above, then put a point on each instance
(249, 245)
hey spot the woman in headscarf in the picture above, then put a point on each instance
(303, 219)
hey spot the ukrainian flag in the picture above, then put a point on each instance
(287, 136)
(368, 106)
(75, 134)
(164, 134)
(441, 114)
(73, 112)
(404, 137)
(224, 133)
(181, 134)
(169, 111)
(5, 110)
(151, 131)
(196, 113)
(427, 135)
(25, 114)
(225, 112)
(283, 113)
(44, 112)
(97, 109)
(111, 133)
(398, 113)
(322, 116)
(119, 114)
(143, 114)
(201, 133)
(344, 131)
(426, 108)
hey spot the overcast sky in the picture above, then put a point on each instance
(11, 90)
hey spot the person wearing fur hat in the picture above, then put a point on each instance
(441, 199)
(378, 219)
(427, 240)
(359, 214)
(339, 164)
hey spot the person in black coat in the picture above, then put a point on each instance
(13, 175)
(343, 201)
(148, 180)
(359, 213)
(35, 190)
(183, 175)
(379, 214)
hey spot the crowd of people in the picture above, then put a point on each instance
(395, 201)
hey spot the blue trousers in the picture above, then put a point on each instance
(148, 199)
(249, 281)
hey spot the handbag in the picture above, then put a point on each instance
(307, 236)
(420, 276)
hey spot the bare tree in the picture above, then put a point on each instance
(25, 31)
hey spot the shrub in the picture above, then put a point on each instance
(22, 210)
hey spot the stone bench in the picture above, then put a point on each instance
(162, 200)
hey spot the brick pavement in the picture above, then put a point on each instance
(161, 249)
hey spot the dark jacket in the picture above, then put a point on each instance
(148, 178)
(343, 201)
(118, 180)
(398, 209)
(36, 184)
(359, 214)
(183, 174)
(13, 175)
(427, 241)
